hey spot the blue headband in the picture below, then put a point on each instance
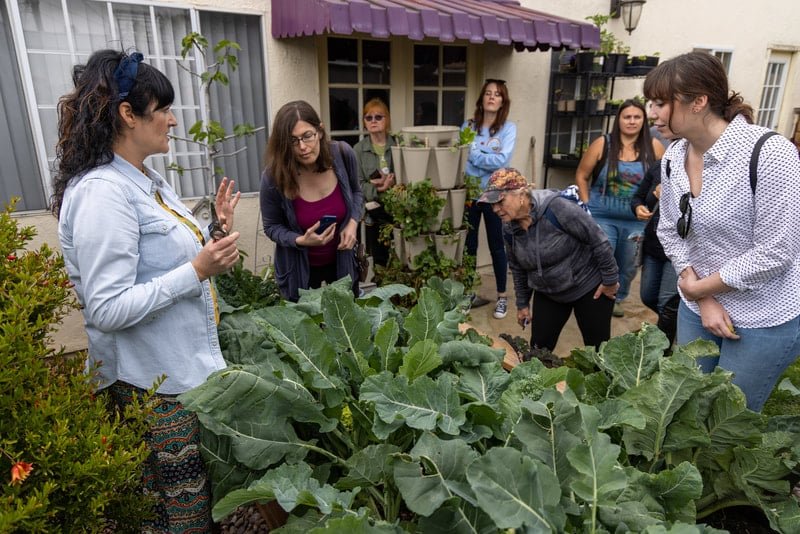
(125, 74)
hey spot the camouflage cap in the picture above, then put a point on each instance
(502, 180)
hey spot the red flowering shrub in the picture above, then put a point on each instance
(67, 463)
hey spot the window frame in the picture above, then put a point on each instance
(772, 91)
(440, 88)
(157, 58)
(725, 55)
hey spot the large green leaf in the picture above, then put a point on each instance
(347, 325)
(360, 524)
(548, 429)
(385, 293)
(659, 398)
(370, 466)
(424, 404)
(434, 471)
(484, 383)
(617, 412)
(237, 393)
(381, 314)
(457, 516)
(451, 291)
(422, 358)
(468, 353)
(634, 357)
(598, 478)
(258, 445)
(516, 491)
(668, 495)
(242, 339)
(291, 486)
(682, 528)
(385, 347)
(300, 337)
(424, 317)
(225, 472)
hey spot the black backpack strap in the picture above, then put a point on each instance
(669, 166)
(550, 216)
(754, 159)
(602, 161)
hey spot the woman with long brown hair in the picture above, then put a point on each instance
(311, 202)
(608, 186)
(491, 150)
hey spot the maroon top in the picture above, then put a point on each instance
(309, 213)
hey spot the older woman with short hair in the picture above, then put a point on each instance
(558, 255)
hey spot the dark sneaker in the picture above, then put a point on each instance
(477, 301)
(501, 308)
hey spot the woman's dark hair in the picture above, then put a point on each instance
(281, 161)
(502, 113)
(643, 144)
(88, 119)
(685, 77)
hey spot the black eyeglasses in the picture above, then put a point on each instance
(307, 138)
(498, 81)
(375, 118)
(686, 215)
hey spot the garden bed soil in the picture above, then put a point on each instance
(740, 520)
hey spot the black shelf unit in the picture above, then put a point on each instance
(576, 87)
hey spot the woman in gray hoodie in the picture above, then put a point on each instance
(557, 254)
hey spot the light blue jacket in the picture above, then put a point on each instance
(145, 310)
(490, 152)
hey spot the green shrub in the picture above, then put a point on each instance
(83, 463)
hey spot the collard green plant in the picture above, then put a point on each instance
(362, 415)
(414, 206)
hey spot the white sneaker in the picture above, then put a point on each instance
(501, 308)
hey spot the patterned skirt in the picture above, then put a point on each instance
(174, 472)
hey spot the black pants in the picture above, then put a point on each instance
(327, 274)
(549, 317)
(376, 249)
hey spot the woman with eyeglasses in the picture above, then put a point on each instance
(376, 172)
(141, 265)
(491, 150)
(607, 177)
(733, 243)
(311, 202)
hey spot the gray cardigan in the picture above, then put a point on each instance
(563, 264)
(280, 224)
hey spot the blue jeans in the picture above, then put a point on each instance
(659, 283)
(620, 234)
(494, 235)
(756, 360)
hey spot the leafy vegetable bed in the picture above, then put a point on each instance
(366, 417)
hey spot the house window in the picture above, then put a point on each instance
(440, 84)
(723, 55)
(358, 70)
(772, 93)
(54, 40)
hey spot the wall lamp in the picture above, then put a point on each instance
(629, 10)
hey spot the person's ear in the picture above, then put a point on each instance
(126, 114)
(699, 102)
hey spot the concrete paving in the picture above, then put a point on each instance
(483, 320)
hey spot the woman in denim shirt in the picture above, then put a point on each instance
(141, 265)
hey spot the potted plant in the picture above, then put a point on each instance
(397, 157)
(622, 51)
(415, 158)
(415, 207)
(652, 60)
(598, 93)
(608, 42)
(555, 154)
(445, 240)
(465, 138)
(584, 61)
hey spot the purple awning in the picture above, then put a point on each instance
(501, 21)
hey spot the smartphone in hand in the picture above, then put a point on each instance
(325, 222)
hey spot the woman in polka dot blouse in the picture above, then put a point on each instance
(736, 249)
